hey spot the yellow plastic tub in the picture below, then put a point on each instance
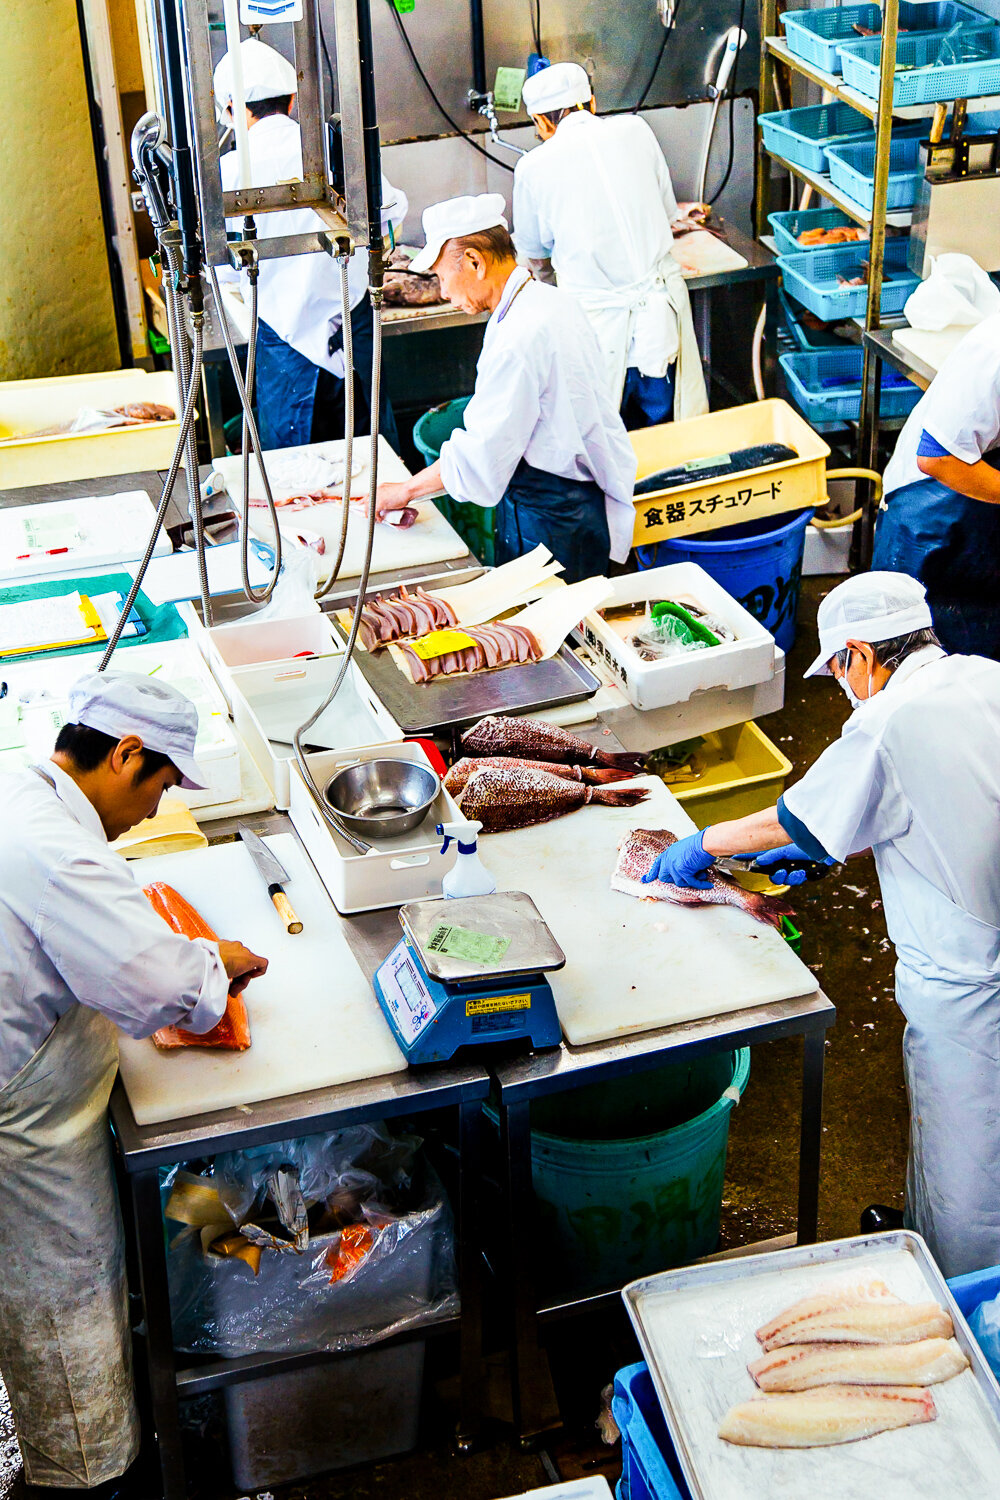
(742, 771)
(707, 505)
(27, 405)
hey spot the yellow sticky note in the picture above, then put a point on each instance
(439, 643)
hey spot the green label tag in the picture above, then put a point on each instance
(507, 89)
(694, 464)
(474, 947)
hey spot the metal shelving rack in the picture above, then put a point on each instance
(775, 50)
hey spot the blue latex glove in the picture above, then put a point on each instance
(683, 863)
(777, 862)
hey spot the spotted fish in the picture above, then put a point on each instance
(594, 775)
(532, 739)
(636, 856)
(517, 797)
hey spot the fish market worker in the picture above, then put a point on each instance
(81, 952)
(300, 345)
(542, 441)
(915, 777)
(940, 516)
(594, 204)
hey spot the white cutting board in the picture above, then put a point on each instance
(931, 345)
(635, 965)
(97, 531)
(314, 1019)
(429, 540)
(702, 254)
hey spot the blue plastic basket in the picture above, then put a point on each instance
(973, 1288)
(789, 224)
(811, 278)
(807, 339)
(650, 1470)
(826, 385)
(919, 78)
(802, 136)
(817, 35)
(852, 169)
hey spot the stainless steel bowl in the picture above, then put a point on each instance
(382, 798)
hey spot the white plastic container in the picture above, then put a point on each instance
(252, 644)
(270, 702)
(407, 868)
(740, 663)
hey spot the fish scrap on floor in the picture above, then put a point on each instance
(801, 1367)
(533, 739)
(821, 1418)
(593, 775)
(642, 847)
(514, 796)
(233, 1031)
(864, 1314)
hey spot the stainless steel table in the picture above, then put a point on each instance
(143, 1150)
(518, 1082)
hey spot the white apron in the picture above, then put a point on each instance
(65, 1352)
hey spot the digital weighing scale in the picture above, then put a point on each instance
(468, 972)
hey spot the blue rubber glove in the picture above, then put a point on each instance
(683, 863)
(776, 863)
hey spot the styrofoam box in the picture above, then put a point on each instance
(701, 714)
(254, 643)
(270, 702)
(655, 684)
(407, 868)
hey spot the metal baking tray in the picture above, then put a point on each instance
(696, 1328)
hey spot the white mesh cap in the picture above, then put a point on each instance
(266, 74)
(870, 607)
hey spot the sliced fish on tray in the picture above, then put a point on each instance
(533, 739)
(865, 1314)
(801, 1367)
(638, 852)
(830, 1415)
(515, 796)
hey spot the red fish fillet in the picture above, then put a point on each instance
(800, 1367)
(533, 739)
(516, 797)
(594, 775)
(821, 1418)
(867, 1314)
(233, 1031)
(636, 856)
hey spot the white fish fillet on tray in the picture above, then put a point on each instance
(865, 1314)
(829, 1415)
(801, 1367)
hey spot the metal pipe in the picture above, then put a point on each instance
(478, 37)
(372, 146)
(231, 15)
(183, 170)
(345, 499)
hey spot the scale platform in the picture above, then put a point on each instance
(470, 972)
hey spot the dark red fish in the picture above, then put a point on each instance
(515, 797)
(532, 739)
(593, 775)
(636, 856)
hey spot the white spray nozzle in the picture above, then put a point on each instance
(465, 833)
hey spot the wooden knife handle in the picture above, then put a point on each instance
(285, 910)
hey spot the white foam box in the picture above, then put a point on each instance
(270, 702)
(408, 868)
(740, 663)
(701, 714)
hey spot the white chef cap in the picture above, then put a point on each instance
(266, 74)
(121, 703)
(456, 217)
(558, 87)
(869, 607)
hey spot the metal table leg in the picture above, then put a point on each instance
(701, 313)
(470, 1114)
(811, 1137)
(159, 1332)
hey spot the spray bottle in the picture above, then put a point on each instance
(468, 876)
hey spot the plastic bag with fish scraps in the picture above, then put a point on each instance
(327, 1243)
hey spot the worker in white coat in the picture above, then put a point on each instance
(915, 777)
(300, 353)
(81, 953)
(594, 204)
(940, 515)
(542, 441)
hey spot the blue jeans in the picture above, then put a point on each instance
(568, 515)
(647, 400)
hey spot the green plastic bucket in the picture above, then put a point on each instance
(474, 523)
(629, 1175)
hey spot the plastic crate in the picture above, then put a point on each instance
(789, 224)
(650, 1470)
(826, 386)
(817, 35)
(474, 523)
(811, 277)
(852, 169)
(743, 772)
(804, 337)
(975, 1287)
(802, 136)
(920, 79)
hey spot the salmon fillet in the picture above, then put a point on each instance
(800, 1367)
(233, 1031)
(821, 1418)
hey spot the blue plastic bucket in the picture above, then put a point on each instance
(759, 563)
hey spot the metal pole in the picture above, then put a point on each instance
(479, 45)
(810, 1136)
(766, 95)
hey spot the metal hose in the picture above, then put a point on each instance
(182, 368)
(345, 306)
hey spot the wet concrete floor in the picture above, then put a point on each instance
(864, 1153)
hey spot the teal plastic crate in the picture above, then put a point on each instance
(650, 1470)
(802, 335)
(826, 386)
(922, 77)
(817, 35)
(852, 170)
(802, 136)
(811, 277)
(790, 223)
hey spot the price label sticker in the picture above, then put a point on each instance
(439, 643)
(462, 942)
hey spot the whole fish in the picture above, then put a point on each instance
(639, 851)
(594, 775)
(515, 796)
(532, 739)
(820, 1418)
(800, 1367)
(866, 1314)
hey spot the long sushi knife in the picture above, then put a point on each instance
(273, 874)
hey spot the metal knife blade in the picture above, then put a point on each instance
(271, 869)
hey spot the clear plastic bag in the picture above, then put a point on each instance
(379, 1257)
(985, 1324)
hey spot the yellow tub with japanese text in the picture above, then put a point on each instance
(707, 504)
